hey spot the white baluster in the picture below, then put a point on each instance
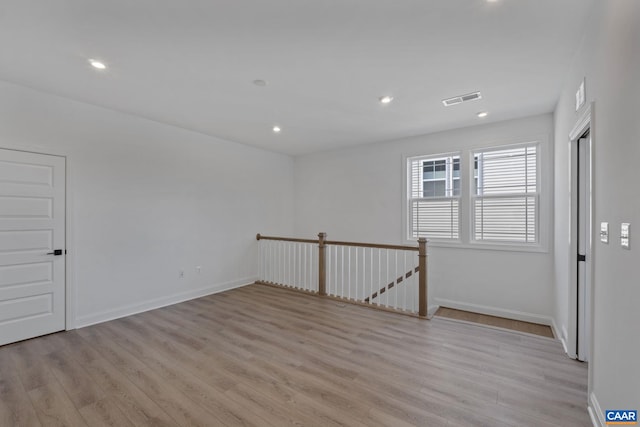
(405, 280)
(378, 267)
(290, 260)
(395, 284)
(329, 266)
(285, 263)
(315, 252)
(336, 271)
(291, 281)
(371, 275)
(269, 264)
(416, 292)
(349, 270)
(355, 297)
(386, 284)
(261, 277)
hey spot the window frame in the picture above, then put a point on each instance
(407, 211)
(473, 196)
(544, 171)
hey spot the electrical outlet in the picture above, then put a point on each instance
(181, 274)
(198, 269)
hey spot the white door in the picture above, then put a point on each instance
(32, 228)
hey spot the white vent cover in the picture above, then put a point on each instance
(461, 98)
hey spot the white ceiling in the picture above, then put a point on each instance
(191, 63)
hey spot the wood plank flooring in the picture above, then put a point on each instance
(260, 356)
(500, 322)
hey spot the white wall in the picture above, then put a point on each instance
(610, 61)
(356, 194)
(151, 199)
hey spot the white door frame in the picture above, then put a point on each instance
(70, 284)
(585, 123)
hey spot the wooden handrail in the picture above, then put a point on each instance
(340, 243)
(372, 245)
(322, 278)
(285, 239)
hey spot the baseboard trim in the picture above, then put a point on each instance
(129, 310)
(554, 329)
(431, 311)
(495, 311)
(595, 412)
(559, 336)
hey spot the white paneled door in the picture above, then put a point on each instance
(32, 245)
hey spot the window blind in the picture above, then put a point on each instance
(433, 199)
(506, 196)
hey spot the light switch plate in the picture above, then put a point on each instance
(625, 236)
(604, 232)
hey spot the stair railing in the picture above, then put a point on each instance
(388, 277)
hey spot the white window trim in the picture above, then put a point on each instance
(544, 200)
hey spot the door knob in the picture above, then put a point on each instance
(55, 252)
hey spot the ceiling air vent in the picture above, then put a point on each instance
(461, 98)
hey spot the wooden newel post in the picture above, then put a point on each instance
(422, 277)
(322, 273)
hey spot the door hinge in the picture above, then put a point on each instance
(582, 258)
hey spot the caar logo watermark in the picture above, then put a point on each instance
(621, 417)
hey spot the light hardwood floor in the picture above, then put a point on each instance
(260, 356)
(500, 322)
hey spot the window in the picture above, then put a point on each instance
(440, 177)
(434, 192)
(487, 197)
(505, 200)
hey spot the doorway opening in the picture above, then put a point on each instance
(583, 241)
(581, 244)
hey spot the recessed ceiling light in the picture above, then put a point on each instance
(260, 83)
(277, 129)
(483, 114)
(97, 64)
(386, 99)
